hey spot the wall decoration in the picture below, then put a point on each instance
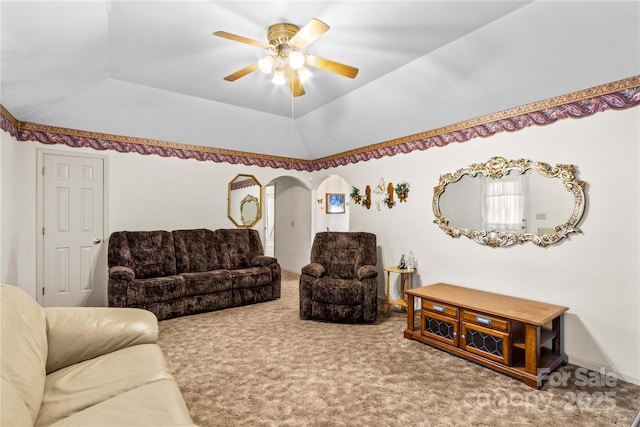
(355, 195)
(380, 187)
(244, 201)
(335, 203)
(388, 200)
(383, 194)
(249, 207)
(402, 190)
(553, 194)
(366, 202)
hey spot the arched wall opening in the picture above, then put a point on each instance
(287, 221)
(293, 213)
(331, 204)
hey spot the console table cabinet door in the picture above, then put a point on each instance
(489, 343)
(439, 327)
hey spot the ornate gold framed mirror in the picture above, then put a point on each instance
(506, 202)
(244, 201)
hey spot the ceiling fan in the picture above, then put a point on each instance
(287, 58)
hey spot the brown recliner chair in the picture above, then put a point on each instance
(341, 282)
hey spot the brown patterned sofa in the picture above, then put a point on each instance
(190, 271)
(340, 284)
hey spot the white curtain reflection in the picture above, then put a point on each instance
(505, 204)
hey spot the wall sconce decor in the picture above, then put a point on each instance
(388, 190)
(402, 190)
(388, 200)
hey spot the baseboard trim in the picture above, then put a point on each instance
(597, 367)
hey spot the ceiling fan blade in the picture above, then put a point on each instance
(241, 73)
(293, 78)
(307, 34)
(241, 39)
(333, 66)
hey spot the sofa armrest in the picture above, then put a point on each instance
(76, 334)
(122, 273)
(263, 261)
(314, 269)
(366, 271)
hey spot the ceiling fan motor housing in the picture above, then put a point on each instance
(280, 34)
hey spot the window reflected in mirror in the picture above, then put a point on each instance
(501, 203)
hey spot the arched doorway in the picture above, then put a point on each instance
(328, 217)
(287, 219)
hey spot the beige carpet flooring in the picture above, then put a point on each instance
(260, 365)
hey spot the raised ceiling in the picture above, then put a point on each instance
(153, 70)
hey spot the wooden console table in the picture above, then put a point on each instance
(503, 333)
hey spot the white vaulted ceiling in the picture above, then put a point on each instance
(153, 70)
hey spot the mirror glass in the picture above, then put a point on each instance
(501, 202)
(244, 201)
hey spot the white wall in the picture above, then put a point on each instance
(144, 193)
(595, 274)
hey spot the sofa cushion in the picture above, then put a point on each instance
(337, 312)
(342, 254)
(196, 251)
(340, 263)
(111, 330)
(13, 409)
(157, 289)
(238, 247)
(336, 291)
(24, 355)
(85, 384)
(191, 305)
(159, 403)
(250, 277)
(147, 253)
(207, 282)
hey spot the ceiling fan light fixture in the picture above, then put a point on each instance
(266, 64)
(287, 43)
(278, 77)
(304, 74)
(296, 59)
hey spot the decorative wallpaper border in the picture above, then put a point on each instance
(617, 95)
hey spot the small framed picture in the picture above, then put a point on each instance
(335, 203)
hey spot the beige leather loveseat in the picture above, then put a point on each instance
(83, 367)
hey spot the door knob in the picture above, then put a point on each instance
(96, 241)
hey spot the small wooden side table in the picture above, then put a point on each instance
(405, 283)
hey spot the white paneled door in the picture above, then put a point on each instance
(73, 258)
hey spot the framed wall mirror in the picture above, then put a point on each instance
(244, 207)
(506, 202)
